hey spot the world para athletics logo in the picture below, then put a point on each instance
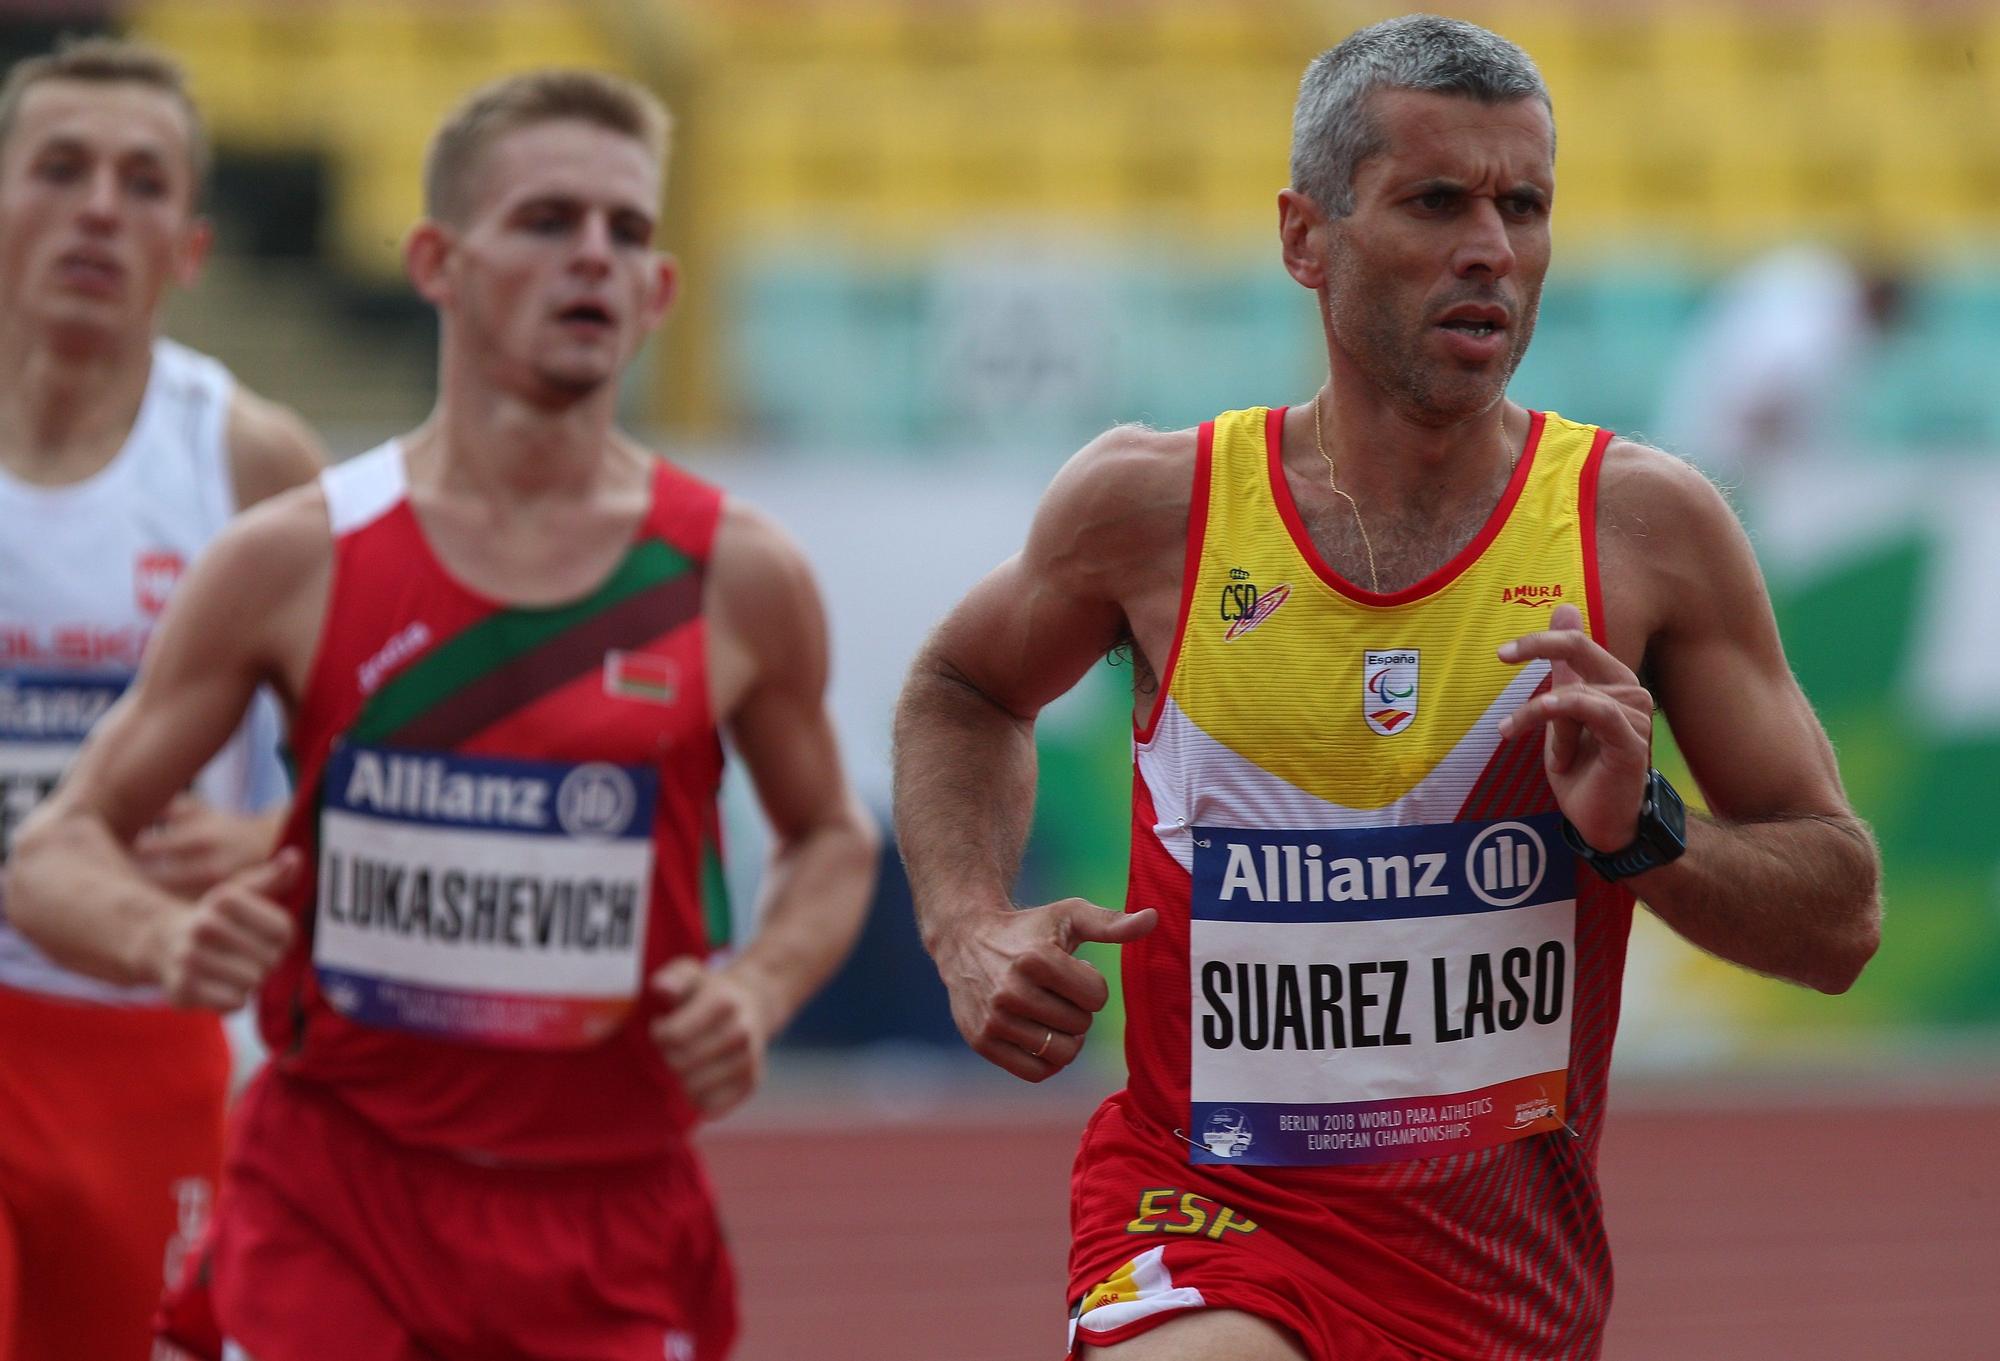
(1389, 689)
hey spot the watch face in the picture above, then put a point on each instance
(1669, 810)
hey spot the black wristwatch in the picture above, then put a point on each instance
(1661, 839)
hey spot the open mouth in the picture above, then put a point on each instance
(1474, 319)
(585, 313)
(91, 271)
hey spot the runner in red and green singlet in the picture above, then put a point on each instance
(486, 957)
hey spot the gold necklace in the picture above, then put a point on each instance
(1319, 442)
(1332, 473)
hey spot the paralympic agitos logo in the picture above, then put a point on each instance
(1389, 689)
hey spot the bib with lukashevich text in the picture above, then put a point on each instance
(491, 901)
(44, 717)
(1379, 993)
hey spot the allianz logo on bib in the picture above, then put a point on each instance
(1450, 868)
(52, 709)
(595, 800)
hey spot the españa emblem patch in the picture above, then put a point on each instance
(1389, 689)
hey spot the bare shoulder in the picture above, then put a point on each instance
(272, 548)
(753, 552)
(270, 447)
(1121, 499)
(1663, 509)
(1671, 546)
(762, 594)
(1643, 492)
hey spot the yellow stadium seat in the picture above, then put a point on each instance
(1034, 34)
(377, 197)
(533, 33)
(218, 45)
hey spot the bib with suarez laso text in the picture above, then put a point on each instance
(1375, 994)
(491, 901)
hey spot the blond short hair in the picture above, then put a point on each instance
(108, 61)
(515, 102)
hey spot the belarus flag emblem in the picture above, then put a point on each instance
(1389, 689)
(641, 676)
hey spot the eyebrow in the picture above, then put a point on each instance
(567, 201)
(66, 143)
(1441, 185)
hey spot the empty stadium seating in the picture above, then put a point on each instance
(847, 156)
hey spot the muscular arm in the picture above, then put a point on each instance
(769, 628)
(1783, 877)
(822, 866)
(1109, 529)
(235, 622)
(194, 845)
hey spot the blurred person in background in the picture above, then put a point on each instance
(1759, 381)
(122, 455)
(486, 955)
(1399, 649)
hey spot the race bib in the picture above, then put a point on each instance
(1371, 995)
(491, 901)
(44, 717)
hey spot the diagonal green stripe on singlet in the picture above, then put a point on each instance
(715, 898)
(501, 693)
(503, 638)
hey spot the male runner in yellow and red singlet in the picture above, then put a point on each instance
(484, 958)
(122, 454)
(1392, 796)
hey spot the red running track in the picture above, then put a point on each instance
(1864, 1232)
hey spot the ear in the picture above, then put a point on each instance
(1298, 217)
(666, 286)
(426, 250)
(195, 246)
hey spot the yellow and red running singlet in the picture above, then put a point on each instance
(1379, 915)
(1379, 967)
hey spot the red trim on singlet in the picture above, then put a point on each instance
(1288, 511)
(1197, 530)
(1586, 509)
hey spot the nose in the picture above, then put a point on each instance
(593, 245)
(100, 198)
(1485, 247)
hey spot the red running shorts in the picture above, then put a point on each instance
(1153, 1237)
(330, 1240)
(110, 1142)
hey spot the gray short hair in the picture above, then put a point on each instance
(1332, 128)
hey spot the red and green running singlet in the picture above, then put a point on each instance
(511, 817)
